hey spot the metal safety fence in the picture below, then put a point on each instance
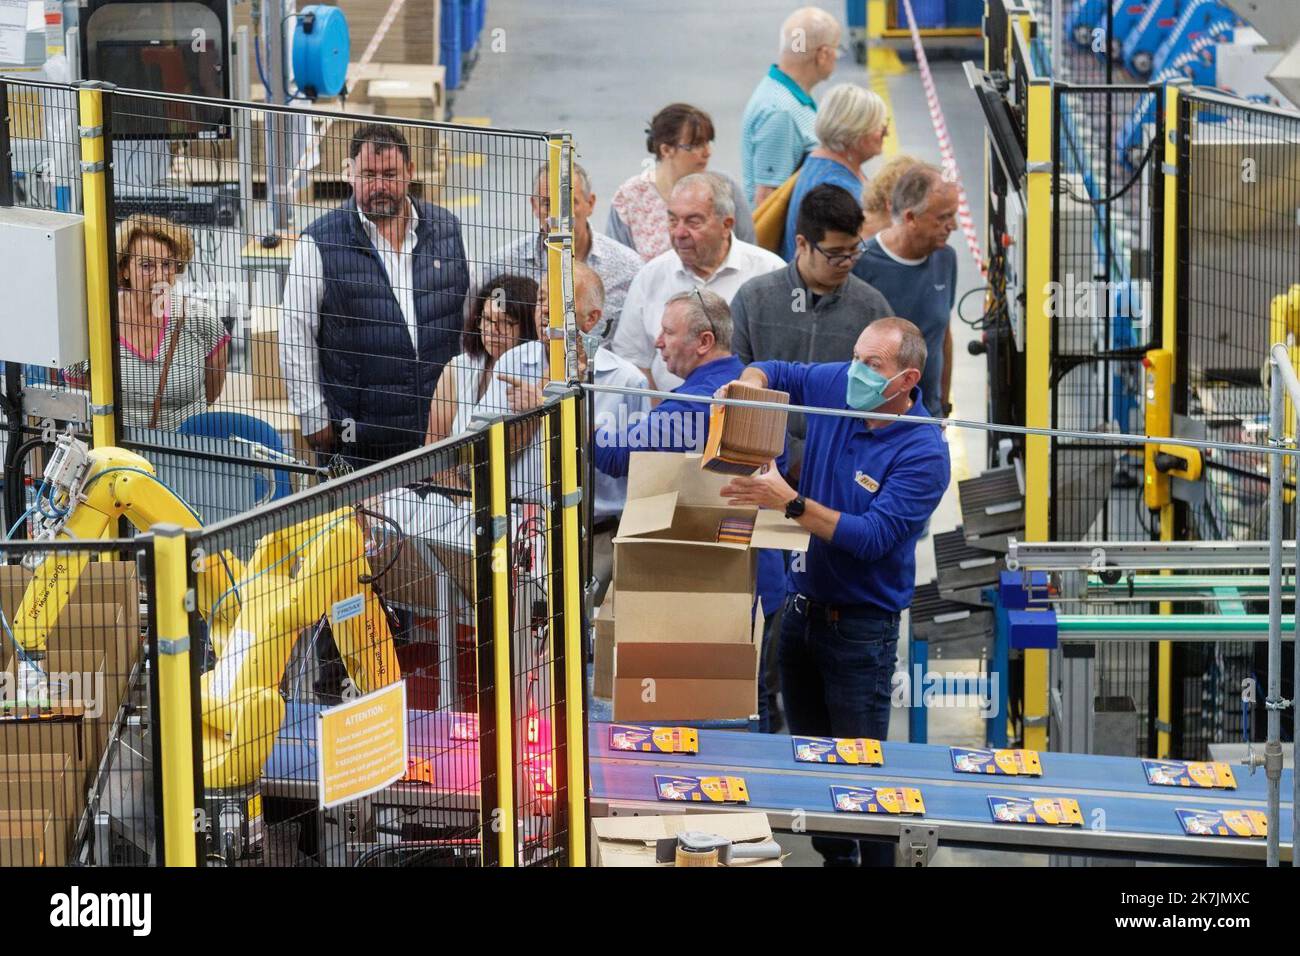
(79, 748)
(275, 292)
(440, 576)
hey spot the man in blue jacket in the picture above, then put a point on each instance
(372, 308)
(867, 489)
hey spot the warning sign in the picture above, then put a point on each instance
(362, 745)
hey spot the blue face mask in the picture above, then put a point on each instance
(866, 387)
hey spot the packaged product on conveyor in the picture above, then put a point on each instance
(877, 800)
(853, 750)
(1182, 773)
(1227, 823)
(705, 789)
(1014, 763)
(1049, 811)
(664, 740)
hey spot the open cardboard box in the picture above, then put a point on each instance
(30, 838)
(685, 600)
(42, 782)
(602, 684)
(630, 841)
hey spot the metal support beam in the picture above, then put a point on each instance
(1098, 556)
(1203, 628)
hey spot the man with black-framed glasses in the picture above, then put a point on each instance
(814, 309)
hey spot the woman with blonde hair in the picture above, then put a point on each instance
(851, 126)
(172, 349)
(876, 197)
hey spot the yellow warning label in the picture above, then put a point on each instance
(362, 745)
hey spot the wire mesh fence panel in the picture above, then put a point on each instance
(378, 579)
(40, 178)
(77, 743)
(301, 292)
(1241, 170)
(1104, 310)
(537, 595)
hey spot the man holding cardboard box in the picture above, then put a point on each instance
(867, 489)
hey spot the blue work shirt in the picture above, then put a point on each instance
(682, 426)
(884, 481)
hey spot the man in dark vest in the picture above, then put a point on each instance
(372, 308)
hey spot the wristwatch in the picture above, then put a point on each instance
(795, 508)
(947, 409)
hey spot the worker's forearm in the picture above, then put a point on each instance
(753, 375)
(819, 520)
(761, 193)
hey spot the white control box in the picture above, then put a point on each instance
(43, 275)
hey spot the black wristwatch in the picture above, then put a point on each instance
(795, 508)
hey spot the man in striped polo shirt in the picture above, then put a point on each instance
(776, 130)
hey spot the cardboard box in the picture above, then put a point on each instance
(742, 440)
(630, 841)
(417, 92)
(30, 838)
(602, 684)
(685, 600)
(66, 731)
(264, 354)
(44, 782)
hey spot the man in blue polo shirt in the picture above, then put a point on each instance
(865, 493)
(695, 343)
(776, 130)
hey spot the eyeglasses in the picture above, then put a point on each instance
(692, 147)
(705, 309)
(840, 258)
(508, 322)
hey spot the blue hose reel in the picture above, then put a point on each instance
(321, 47)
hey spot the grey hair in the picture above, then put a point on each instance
(913, 190)
(706, 312)
(724, 205)
(846, 114)
(579, 174)
(588, 288)
(816, 27)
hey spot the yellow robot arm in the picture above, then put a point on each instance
(83, 494)
(298, 575)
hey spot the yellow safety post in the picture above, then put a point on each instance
(175, 717)
(1157, 393)
(1038, 360)
(504, 815)
(100, 294)
(1169, 341)
(559, 249)
(881, 60)
(574, 647)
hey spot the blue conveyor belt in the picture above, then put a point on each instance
(1131, 810)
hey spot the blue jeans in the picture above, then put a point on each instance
(835, 682)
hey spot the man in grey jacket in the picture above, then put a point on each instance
(814, 309)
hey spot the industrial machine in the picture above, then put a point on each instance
(255, 612)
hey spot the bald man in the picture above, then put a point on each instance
(776, 131)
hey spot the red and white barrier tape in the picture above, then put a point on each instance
(964, 219)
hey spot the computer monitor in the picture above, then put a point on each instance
(178, 48)
(160, 66)
(1001, 126)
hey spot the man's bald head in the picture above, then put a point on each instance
(588, 295)
(810, 40)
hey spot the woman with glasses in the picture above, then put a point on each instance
(680, 139)
(500, 317)
(172, 348)
(851, 127)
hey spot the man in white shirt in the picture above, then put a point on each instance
(705, 255)
(372, 308)
(612, 261)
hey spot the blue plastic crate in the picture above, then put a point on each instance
(450, 52)
(468, 21)
(964, 13)
(930, 14)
